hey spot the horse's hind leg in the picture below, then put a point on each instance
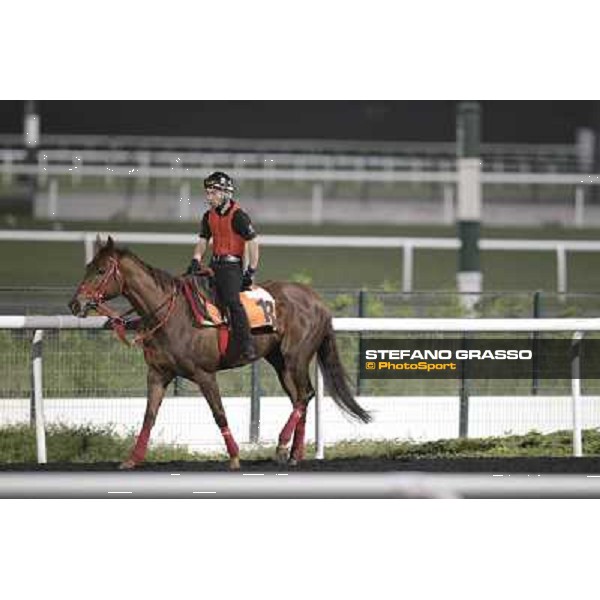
(208, 386)
(297, 452)
(298, 387)
(306, 393)
(157, 383)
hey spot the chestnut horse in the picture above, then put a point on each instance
(173, 347)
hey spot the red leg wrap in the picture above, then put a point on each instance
(141, 445)
(290, 426)
(232, 447)
(298, 445)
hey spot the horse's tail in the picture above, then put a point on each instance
(336, 379)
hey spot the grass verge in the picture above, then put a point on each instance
(86, 444)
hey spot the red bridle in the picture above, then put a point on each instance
(96, 293)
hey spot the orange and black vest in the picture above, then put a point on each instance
(225, 239)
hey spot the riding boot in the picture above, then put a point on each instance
(240, 329)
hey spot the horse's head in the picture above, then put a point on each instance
(102, 280)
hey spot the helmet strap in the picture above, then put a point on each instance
(223, 202)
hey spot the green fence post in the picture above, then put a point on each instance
(468, 208)
(535, 366)
(362, 312)
(255, 404)
(463, 411)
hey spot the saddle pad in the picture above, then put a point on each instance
(257, 302)
(259, 306)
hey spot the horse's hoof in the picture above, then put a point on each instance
(234, 464)
(127, 465)
(293, 462)
(281, 455)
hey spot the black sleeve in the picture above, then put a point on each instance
(205, 228)
(243, 226)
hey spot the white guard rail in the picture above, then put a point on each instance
(577, 326)
(407, 244)
(206, 486)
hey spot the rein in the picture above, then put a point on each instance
(143, 336)
(117, 323)
(96, 294)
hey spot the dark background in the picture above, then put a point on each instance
(427, 120)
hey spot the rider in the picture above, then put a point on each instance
(232, 231)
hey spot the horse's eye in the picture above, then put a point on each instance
(101, 271)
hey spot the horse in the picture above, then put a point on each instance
(174, 347)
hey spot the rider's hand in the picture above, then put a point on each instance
(248, 278)
(206, 272)
(194, 267)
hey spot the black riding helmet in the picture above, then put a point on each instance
(219, 180)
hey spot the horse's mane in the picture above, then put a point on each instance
(162, 278)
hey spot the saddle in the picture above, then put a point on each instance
(257, 302)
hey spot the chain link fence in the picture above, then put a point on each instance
(81, 368)
(96, 364)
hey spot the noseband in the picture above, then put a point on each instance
(95, 294)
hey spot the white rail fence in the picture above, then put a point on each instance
(407, 245)
(103, 147)
(309, 167)
(577, 326)
(312, 169)
(409, 485)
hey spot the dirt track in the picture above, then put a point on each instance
(587, 465)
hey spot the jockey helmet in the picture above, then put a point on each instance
(220, 181)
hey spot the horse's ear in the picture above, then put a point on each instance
(110, 243)
(97, 243)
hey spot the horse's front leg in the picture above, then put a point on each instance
(208, 386)
(157, 384)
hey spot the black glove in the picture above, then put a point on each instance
(194, 267)
(248, 278)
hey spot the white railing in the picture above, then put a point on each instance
(105, 146)
(313, 169)
(407, 244)
(388, 171)
(408, 485)
(577, 326)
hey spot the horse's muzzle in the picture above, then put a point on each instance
(77, 309)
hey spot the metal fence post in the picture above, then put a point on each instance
(576, 393)
(407, 268)
(448, 203)
(535, 367)
(32, 415)
(319, 398)
(53, 199)
(184, 200)
(255, 404)
(579, 212)
(362, 312)
(561, 271)
(88, 247)
(38, 391)
(317, 203)
(463, 411)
